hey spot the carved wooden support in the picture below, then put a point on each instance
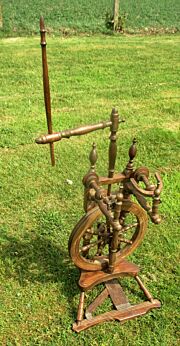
(123, 311)
(156, 201)
(115, 315)
(115, 239)
(81, 307)
(113, 145)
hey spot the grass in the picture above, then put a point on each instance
(21, 17)
(89, 75)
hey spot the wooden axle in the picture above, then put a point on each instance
(79, 131)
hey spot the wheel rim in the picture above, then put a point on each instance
(90, 240)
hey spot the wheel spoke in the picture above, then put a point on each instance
(92, 231)
(123, 240)
(87, 247)
(127, 227)
(101, 248)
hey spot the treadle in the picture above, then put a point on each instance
(124, 310)
(117, 295)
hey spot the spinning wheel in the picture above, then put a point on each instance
(90, 240)
(113, 226)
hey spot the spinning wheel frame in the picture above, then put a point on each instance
(111, 234)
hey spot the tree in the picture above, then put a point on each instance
(1, 17)
(116, 14)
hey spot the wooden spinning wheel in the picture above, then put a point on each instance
(113, 225)
(90, 240)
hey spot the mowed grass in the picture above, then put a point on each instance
(89, 75)
(66, 17)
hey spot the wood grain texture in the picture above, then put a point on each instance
(88, 220)
(117, 294)
(97, 302)
(89, 279)
(121, 316)
(46, 87)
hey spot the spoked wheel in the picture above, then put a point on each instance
(90, 239)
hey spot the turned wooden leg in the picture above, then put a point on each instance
(80, 313)
(144, 289)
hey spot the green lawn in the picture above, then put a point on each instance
(89, 75)
(21, 17)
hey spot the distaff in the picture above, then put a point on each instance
(47, 98)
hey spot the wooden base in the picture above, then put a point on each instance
(124, 310)
(90, 279)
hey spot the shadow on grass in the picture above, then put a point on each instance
(40, 260)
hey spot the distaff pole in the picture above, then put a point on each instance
(47, 98)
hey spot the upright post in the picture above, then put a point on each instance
(47, 97)
(113, 145)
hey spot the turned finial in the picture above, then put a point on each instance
(132, 154)
(132, 151)
(156, 201)
(93, 158)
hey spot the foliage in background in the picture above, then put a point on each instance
(89, 75)
(120, 22)
(21, 17)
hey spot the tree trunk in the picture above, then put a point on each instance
(1, 17)
(116, 14)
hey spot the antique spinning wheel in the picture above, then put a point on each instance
(113, 225)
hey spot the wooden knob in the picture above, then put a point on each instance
(115, 120)
(93, 157)
(133, 150)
